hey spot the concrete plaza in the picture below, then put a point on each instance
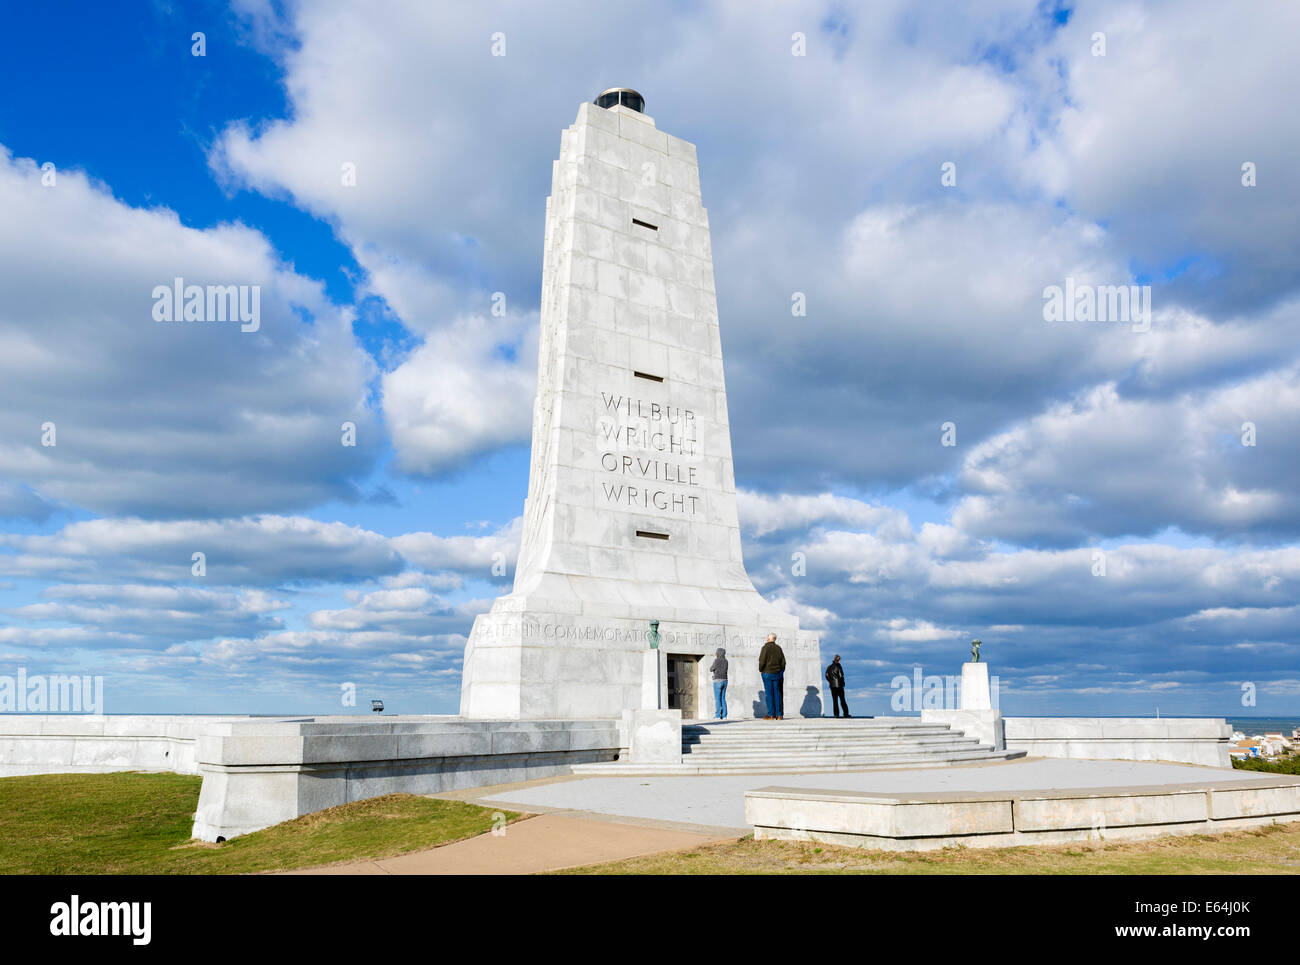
(718, 802)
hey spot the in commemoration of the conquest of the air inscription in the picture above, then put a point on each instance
(648, 451)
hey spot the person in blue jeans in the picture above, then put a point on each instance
(771, 665)
(719, 671)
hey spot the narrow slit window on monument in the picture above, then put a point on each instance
(645, 224)
(649, 535)
(647, 375)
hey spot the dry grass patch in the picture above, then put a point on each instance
(1270, 850)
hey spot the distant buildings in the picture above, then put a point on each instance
(1271, 744)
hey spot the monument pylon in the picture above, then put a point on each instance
(631, 507)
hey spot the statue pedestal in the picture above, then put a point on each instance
(650, 690)
(975, 687)
(976, 718)
(653, 736)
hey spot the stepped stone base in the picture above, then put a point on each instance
(984, 725)
(803, 746)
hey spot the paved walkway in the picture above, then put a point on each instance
(547, 842)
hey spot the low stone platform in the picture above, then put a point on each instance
(926, 820)
(257, 773)
(1191, 740)
(1036, 800)
(91, 744)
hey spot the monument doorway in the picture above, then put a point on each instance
(683, 684)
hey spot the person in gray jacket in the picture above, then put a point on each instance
(719, 670)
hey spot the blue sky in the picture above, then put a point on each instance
(822, 174)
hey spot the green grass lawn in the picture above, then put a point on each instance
(1271, 850)
(140, 824)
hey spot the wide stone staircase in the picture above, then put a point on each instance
(813, 744)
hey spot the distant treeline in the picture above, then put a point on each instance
(1288, 765)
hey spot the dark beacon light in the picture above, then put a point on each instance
(625, 96)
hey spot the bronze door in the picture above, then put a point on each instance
(683, 684)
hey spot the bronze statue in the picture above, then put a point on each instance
(974, 651)
(653, 635)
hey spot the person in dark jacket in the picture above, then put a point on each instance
(835, 677)
(771, 665)
(719, 671)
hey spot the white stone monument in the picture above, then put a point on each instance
(631, 507)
